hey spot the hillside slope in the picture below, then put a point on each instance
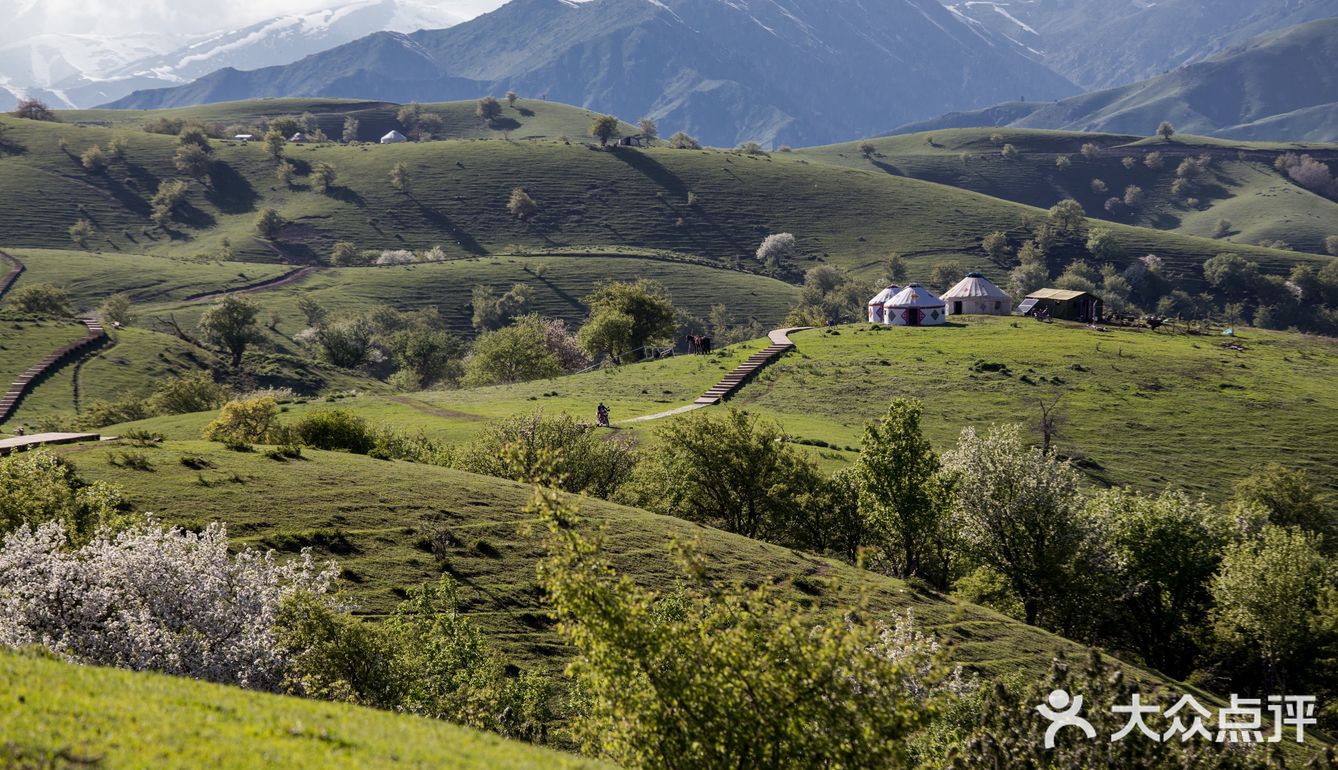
(60, 715)
(1277, 77)
(725, 71)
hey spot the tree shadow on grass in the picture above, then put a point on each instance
(346, 195)
(653, 170)
(229, 191)
(442, 222)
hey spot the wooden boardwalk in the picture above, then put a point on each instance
(24, 443)
(780, 345)
(10, 269)
(25, 383)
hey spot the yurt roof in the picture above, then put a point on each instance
(394, 136)
(975, 285)
(884, 295)
(914, 295)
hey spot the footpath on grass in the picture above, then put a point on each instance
(736, 379)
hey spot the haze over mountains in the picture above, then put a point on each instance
(1281, 85)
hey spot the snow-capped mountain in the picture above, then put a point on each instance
(84, 70)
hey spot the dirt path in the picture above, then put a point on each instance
(292, 276)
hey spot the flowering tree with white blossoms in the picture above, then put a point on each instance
(149, 598)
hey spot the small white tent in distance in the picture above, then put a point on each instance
(975, 295)
(876, 304)
(394, 137)
(914, 306)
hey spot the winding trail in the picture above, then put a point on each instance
(28, 380)
(15, 268)
(292, 276)
(736, 379)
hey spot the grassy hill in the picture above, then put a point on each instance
(60, 716)
(1260, 202)
(528, 119)
(627, 199)
(1141, 408)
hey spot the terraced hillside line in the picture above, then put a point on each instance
(20, 387)
(730, 384)
(15, 268)
(292, 276)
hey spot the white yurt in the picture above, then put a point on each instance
(394, 137)
(876, 304)
(975, 295)
(914, 306)
(298, 138)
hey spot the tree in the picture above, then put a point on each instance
(777, 249)
(1098, 186)
(681, 141)
(284, 173)
(511, 98)
(1016, 512)
(1068, 218)
(80, 232)
(400, 179)
(1091, 151)
(997, 247)
(489, 109)
(605, 128)
(231, 325)
(1331, 245)
(1154, 161)
(192, 161)
(323, 177)
(521, 205)
(430, 355)
(350, 134)
(345, 253)
(657, 672)
(868, 150)
(1009, 152)
(627, 317)
(1027, 277)
(732, 471)
(897, 492)
(41, 299)
(34, 109)
(897, 270)
(1165, 549)
(648, 129)
(1063, 162)
(274, 144)
(1103, 247)
(94, 160)
(40, 487)
(115, 310)
(570, 454)
(1222, 229)
(269, 224)
(945, 275)
(1134, 196)
(346, 343)
(194, 135)
(170, 196)
(514, 353)
(1288, 497)
(1231, 274)
(492, 312)
(189, 393)
(1165, 130)
(1265, 596)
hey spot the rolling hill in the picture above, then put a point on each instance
(58, 715)
(1279, 85)
(724, 71)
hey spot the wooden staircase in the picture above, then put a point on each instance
(780, 345)
(20, 387)
(11, 268)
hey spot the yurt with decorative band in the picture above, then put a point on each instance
(914, 306)
(876, 304)
(975, 295)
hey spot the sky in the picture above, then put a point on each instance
(171, 17)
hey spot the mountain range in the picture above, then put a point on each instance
(1280, 85)
(727, 71)
(83, 70)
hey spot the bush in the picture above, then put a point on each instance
(521, 205)
(153, 599)
(1331, 245)
(189, 393)
(575, 456)
(334, 429)
(681, 141)
(777, 249)
(270, 223)
(253, 420)
(94, 160)
(41, 299)
(80, 232)
(1009, 152)
(515, 353)
(38, 487)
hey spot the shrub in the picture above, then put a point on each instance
(137, 461)
(1154, 161)
(1331, 245)
(34, 109)
(1009, 152)
(575, 456)
(521, 205)
(323, 177)
(153, 599)
(1222, 229)
(777, 249)
(515, 353)
(1098, 186)
(94, 160)
(1063, 162)
(188, 393)
(336, 430)
(249, 420)
(1091, 151)
(116, 311)
(80, 232)
(41, 299)
(270, 223)
(39, 487)
(681, 141)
